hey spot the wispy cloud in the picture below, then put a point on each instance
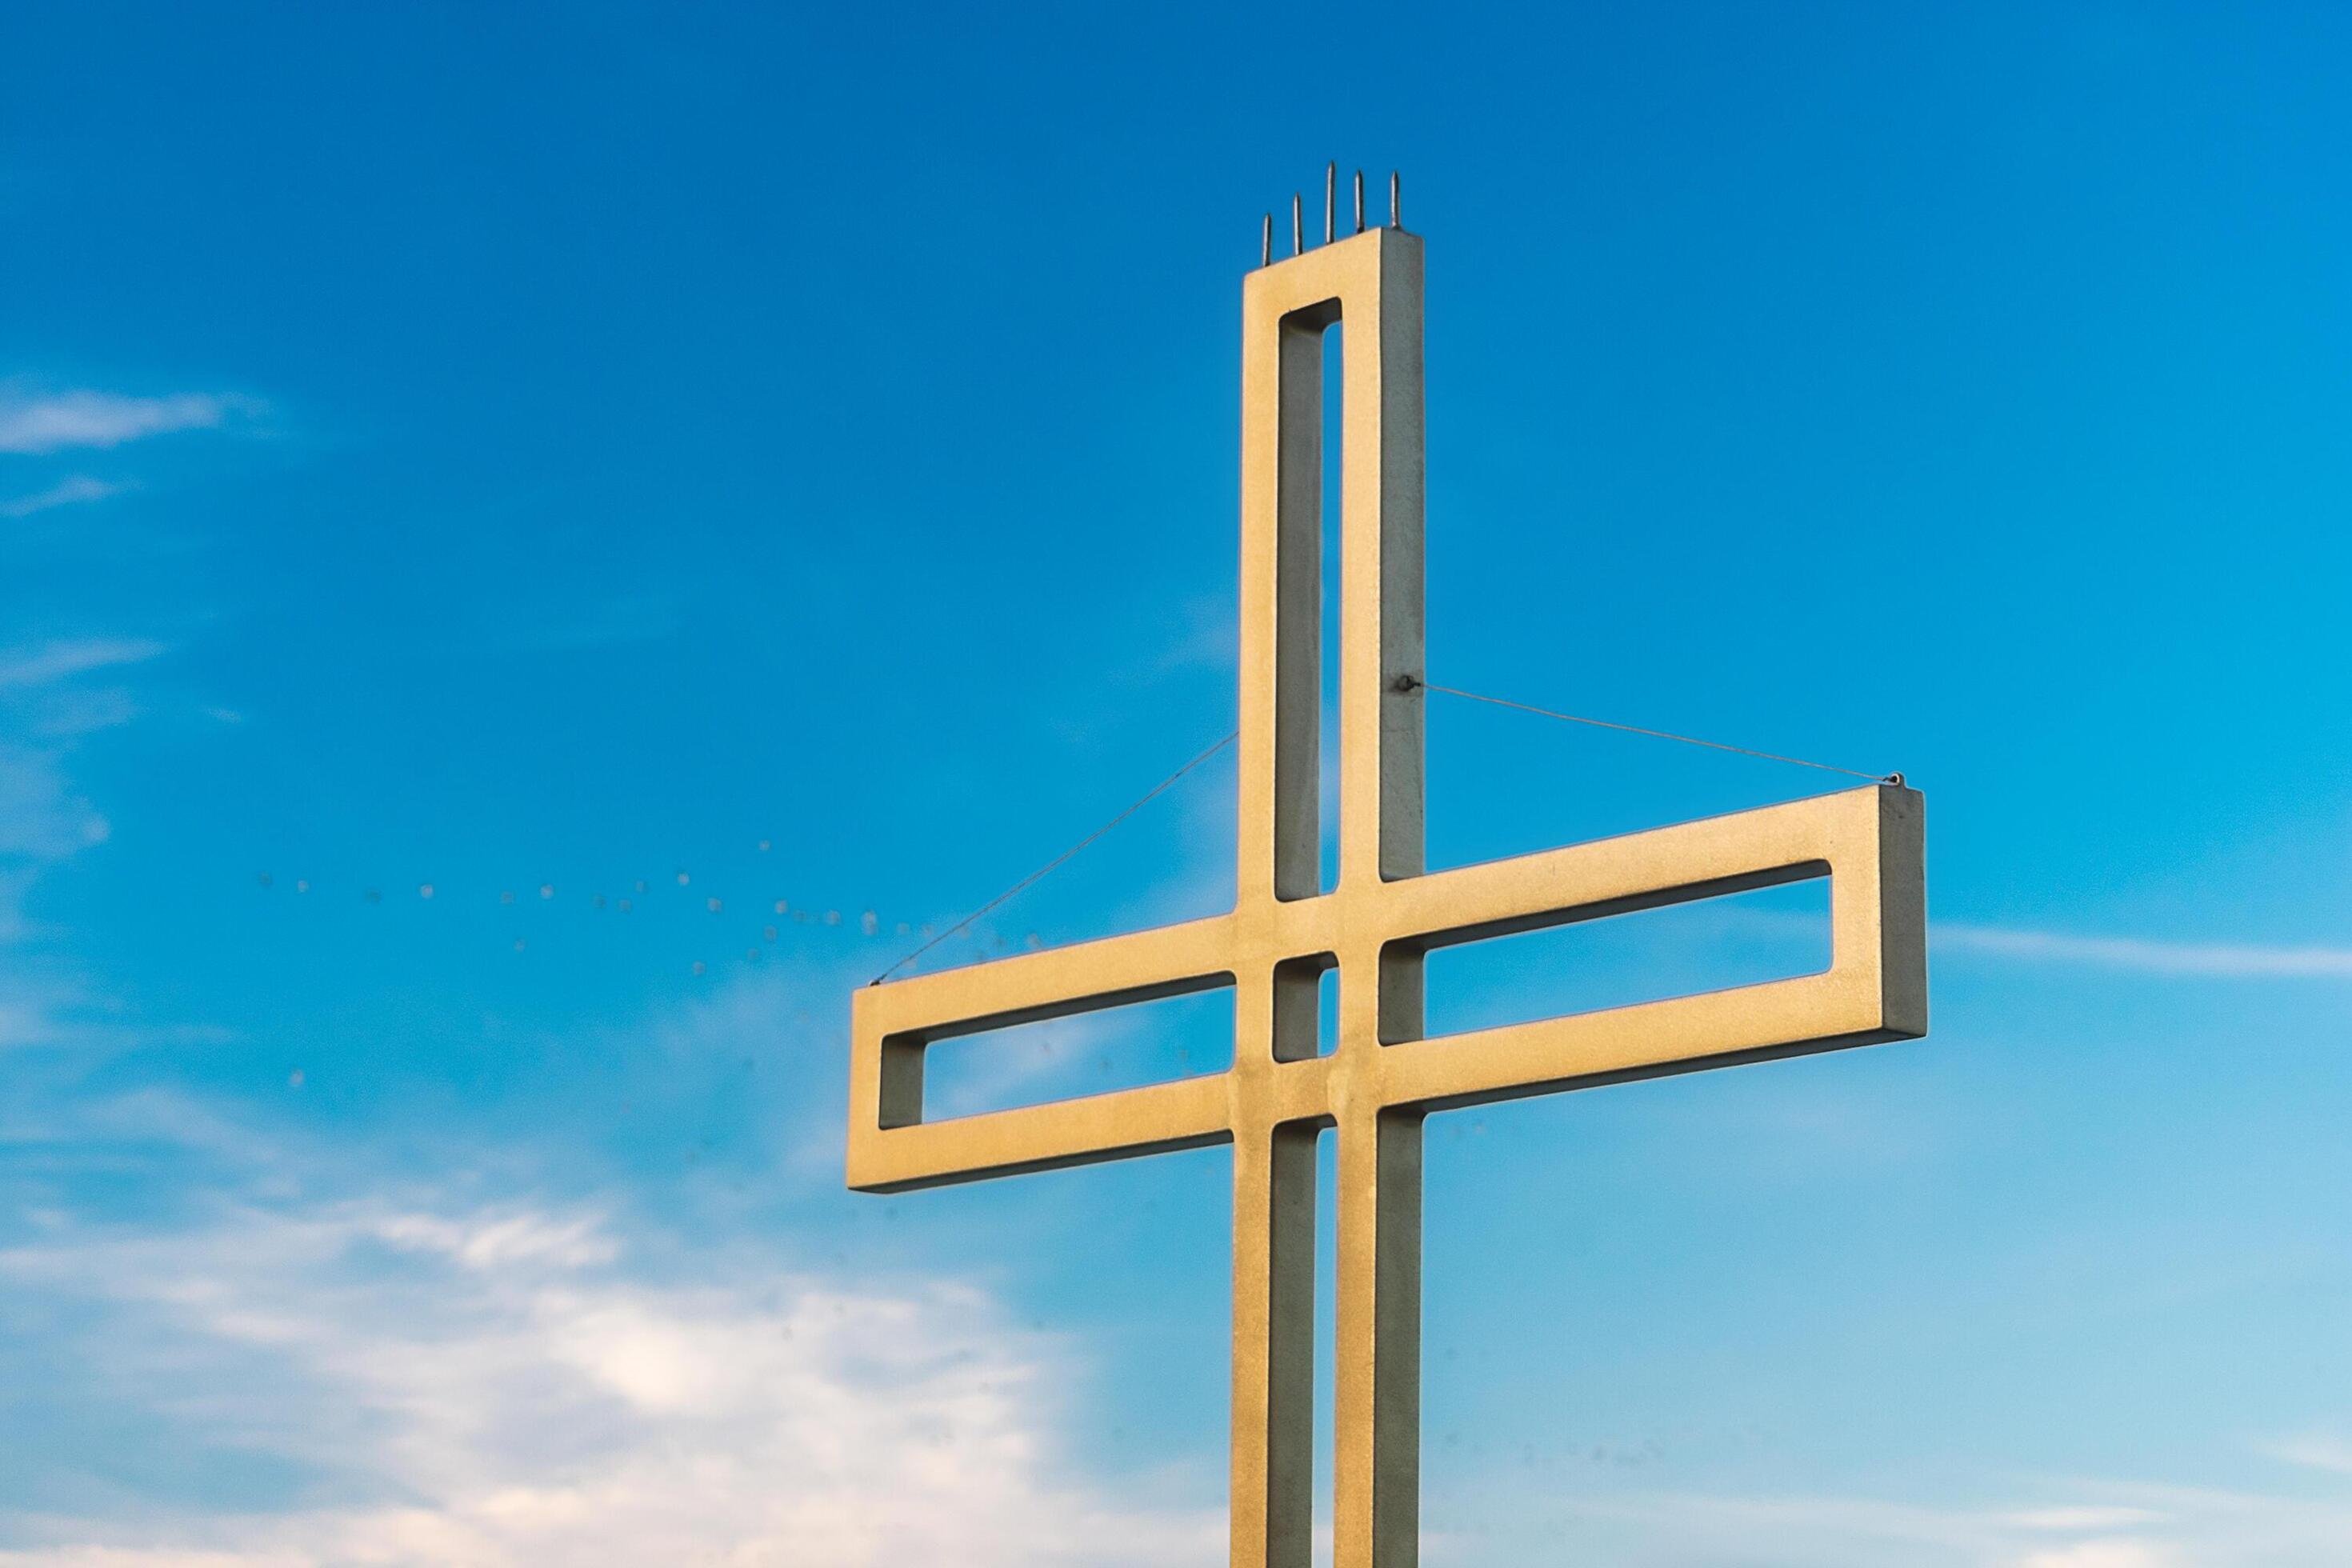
(42, 822)
(50, 422)
(72, 492)
(2237, 961)
(41, 816)
(2313, 1450)
(49, 662)
(44, 819)
(24, 1020)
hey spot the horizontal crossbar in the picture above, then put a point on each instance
(1867, 841)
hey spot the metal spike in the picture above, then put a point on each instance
(1297, 226)
(1360, 201)
(1330, 201)
(1266, 243)
(1396, 201)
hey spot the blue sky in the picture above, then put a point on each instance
(567, 447)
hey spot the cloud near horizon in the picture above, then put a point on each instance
(500, 1384)
(437, 1372)
(493, 1386)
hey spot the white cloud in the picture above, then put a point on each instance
(488, 1242)
(75, 490)
(505, 1395)
(2229, 960)
(2080, 1518)
(165, 1557)
(2105, 1554)
(502, 1386)
(51, 422)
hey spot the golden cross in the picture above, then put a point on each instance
(1384, 913)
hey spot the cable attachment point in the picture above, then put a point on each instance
(1406, 683)
(1897, 780)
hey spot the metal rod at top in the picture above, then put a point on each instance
(1297, 226)
(1266, 243)
(1396, 201)
(1360, 201)
(1330, 201)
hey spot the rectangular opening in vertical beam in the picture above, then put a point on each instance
(1333, 533)
(1326, 1337)
(1306, 576)
(1306, 1007)
(1073, 1051)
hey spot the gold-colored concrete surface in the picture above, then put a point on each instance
(1375, 924)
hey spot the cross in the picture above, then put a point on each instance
(1384, 1076)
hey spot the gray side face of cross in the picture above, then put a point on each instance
(1384, 1077)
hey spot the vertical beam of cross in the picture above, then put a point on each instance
(1372, 285)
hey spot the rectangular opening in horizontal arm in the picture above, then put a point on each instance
(1641, 950)
(1158, 1037)
(1861, 848)
(1168, 1092)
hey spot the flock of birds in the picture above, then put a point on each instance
(972, 944)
